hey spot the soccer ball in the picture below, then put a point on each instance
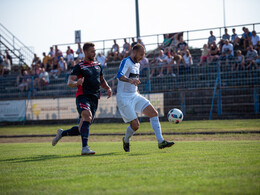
(175, 116)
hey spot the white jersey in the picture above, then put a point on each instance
(129, 69)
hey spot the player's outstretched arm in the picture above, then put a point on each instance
(105, 86)
(72, 81)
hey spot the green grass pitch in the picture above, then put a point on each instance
(224, 166)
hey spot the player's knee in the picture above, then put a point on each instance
(154, 113)
(135, 125)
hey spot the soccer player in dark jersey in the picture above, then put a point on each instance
(88, 77)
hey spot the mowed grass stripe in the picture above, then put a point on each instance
(218, 167)
(145, 127)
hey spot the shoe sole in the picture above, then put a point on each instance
(88, 154)
(54, 143)
(167, 146)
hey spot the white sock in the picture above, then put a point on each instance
(128, 134)
(155, 123)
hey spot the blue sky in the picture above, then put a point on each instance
(43, 23)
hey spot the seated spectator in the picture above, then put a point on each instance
(69, 51)
(62, 65)
(102, 60)
(126, 49)
(255, 41)
(58, 53)
(166, 42)
(170, 64)
(225, 36)
(211, 38)
(139, 40)
(204, 55)
(213, 52)
(246, 38)
(239, 61)
(187, 59)
(43, 79)
(55, 71)
(251, 57)
(46, 62)
(35, 73)
(5, 66)
(227, 53)
(9, 58)
(144, 67)
(114, 53)
(36, 60)
(23, 81)
(235, 39)
(182, 46)
(51, 53)
(175, 41)
(177, 60)
(159, 63)
(81, 56)
(70, 60)
(133, 42)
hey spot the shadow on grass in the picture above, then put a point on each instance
(49, 157)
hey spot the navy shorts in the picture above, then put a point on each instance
(87, 102)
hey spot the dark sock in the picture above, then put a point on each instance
(74, 131)
(84, 132)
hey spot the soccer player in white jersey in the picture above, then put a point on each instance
(130, 102)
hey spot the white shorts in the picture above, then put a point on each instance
(130, 104)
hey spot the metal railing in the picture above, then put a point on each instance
(20, 52)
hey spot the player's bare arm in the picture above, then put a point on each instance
(132, 81)
(105, 86)
(73, 82)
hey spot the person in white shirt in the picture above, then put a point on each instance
(43, 79)
(255, 41)
(130, 102)
(187, 59)
(227, 52)
(102, 60)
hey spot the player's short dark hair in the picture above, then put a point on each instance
(88, 45)
(137, 47)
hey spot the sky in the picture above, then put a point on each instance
(40, 24)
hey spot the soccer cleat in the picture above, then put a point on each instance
(57, 137)
(87, 151)
(165, 144)
(126, 145)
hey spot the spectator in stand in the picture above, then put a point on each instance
(213, 52)
(9, 57)
(139, 40)
(70, 58)
(174, 44)
(58, 53)
(114, 53)
(166, 42)
(43, 79)
(51, 53)
(170, 64)
(62, 66)
(255, 41)
(160, 62)
(187, 59)
(225, 36)
(251, 57)
(204, 55)
(144, 67)
(23, 81)
(78, 50)
(102, 60)
(46, 62)
(133, 42)
(182, 46)
(166, 64)
(211, 38)
(177, 60)
(5, 66)
(36, 71)
(235, 39)
(36, 60)
(69, 51)
(126, 49)
(246, 37)
(227, 52)
(55, 71)
(239, 61)
(81, 56)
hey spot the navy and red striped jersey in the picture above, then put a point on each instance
(91, 73)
